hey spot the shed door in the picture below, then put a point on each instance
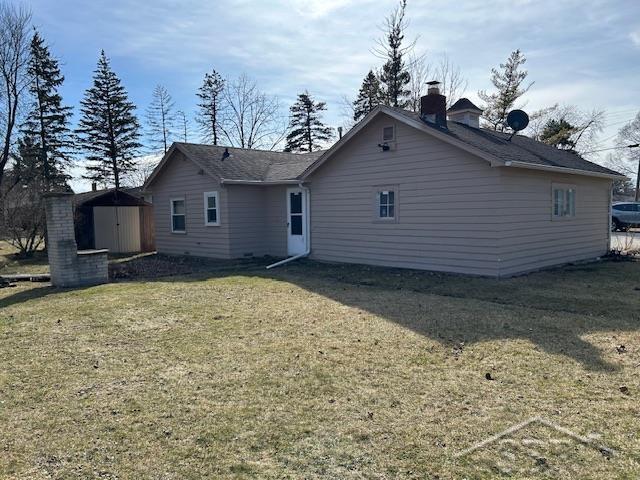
(296, 224)
(117, 228)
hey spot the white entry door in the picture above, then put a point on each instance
(296, 224)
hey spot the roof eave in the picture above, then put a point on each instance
(573, 171)
(227, 181)
(494, 161)
(465, 110)
(159, 167)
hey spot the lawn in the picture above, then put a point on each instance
(10, 263)
(322, 371)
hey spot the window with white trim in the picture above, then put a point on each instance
(178, 215)
(211, 209)
(388, 133)
(386, 204)
(564, 201)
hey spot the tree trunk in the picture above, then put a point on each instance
(638, 181)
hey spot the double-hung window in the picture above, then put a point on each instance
(564, 201)
(386, 204)
(178, 216)
(211, 209)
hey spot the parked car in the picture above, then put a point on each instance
(625, 215)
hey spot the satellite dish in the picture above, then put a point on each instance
(517, 120)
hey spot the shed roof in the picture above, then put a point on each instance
(110, 196)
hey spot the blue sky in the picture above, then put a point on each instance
(585, 53)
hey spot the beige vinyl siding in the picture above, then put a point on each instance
(531, 239)
(181, 178)
(258, 220)
(246, 207)
(275, 234)
(252, 219)
(447, 214)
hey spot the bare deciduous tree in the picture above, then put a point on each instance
(160, 119)
(420, 73)
(251, 118)
(567, 127)
(628, 135)
(14, 79)
(22, 211)
(453, 84)
(142, 170)
(537, 121)
(347, 112)
(183, 123)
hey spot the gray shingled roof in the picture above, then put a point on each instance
(84, 197)
(247, 164)
(463, 104)
(269, 166)
(519, 149)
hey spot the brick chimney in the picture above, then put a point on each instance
(433, 105)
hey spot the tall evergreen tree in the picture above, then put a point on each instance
(395, 76)
(46, 134)
(108, 130)
(161, 119)
(369, 97)
(210, 117)
(508, 81)
(306, 130)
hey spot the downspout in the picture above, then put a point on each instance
(610, 219)
(307, 238)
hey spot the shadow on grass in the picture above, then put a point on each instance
(45, 290)
(553, 309)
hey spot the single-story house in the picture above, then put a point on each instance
(429, 190)
(119, 220)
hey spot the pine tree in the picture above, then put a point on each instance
(369, 97)
(508, 82)
(108, 130)
(306, 130)
(209, 116)
(46, 134)
(395, 76)
(559, 133)
(160, 119)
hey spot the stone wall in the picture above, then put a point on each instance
(70, 268)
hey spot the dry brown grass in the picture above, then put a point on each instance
(318, 371)
(10, 263)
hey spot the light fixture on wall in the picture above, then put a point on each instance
(384, 146)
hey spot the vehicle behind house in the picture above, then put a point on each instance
(625, 215)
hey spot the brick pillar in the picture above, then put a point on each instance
(61, 240)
